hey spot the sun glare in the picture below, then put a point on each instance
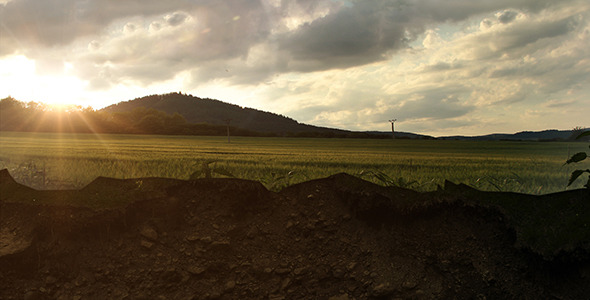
(21, 80)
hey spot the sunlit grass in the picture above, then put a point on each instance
(73, 160)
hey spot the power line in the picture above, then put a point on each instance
(392, 121)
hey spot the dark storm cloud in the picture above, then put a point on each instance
(32, 23)
(347, 38)
(533, 32)
(507, 16)
(176, 18)
(370, 31)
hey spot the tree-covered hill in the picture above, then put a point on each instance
(214, 112)
(170, 114)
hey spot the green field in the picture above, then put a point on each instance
(60, 161)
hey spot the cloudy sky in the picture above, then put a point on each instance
(440, 67)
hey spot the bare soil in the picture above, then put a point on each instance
(335, 238)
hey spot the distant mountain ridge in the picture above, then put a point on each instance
(544, 135)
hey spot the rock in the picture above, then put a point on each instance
(33, 295)
(382, 290)
(338, 273)
(192, 238)
(351, 266)
(408, 284)
(230, 285)
(196, 270)
(220, 244)
(50, 280)
(299, 271)
(148, 232)
(339, 297)
(289, 225)
(286, 282)
(146, 244)
(282, 271)
(12, 242)
(171, 276)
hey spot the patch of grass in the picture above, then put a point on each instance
(74, 160)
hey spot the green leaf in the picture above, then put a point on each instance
(585, 133)
(575, 175)
(580, 156)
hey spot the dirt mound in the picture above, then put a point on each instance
(334, 238)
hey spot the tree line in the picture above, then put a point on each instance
(38, 117)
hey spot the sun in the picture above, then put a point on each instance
(22, 80)
(60, 91)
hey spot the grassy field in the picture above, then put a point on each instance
(57, 161)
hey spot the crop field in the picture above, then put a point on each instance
(68, 161)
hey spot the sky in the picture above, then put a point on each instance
(452, 67)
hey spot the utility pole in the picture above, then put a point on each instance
(227, 121)
(392, 128)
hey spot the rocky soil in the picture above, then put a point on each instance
(336, 238)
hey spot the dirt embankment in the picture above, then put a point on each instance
(334, 238)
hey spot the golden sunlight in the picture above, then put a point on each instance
(22, 80)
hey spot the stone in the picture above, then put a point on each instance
(192, 238)
(339, 297)
(33, 295)
(281, 271)
(409, 284)
(286, 282)
(351, 266)
(289, 225)
(196, 270)
(146, 244)
(382, 290)
(299, 271)
(149, 232)
(50, 280)
(230, 285)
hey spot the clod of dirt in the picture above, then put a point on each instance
(334, 238)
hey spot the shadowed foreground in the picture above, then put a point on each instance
(334, 238)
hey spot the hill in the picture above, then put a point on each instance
(215, 112)
(170, 114)
(545, 135)
(178, 113)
